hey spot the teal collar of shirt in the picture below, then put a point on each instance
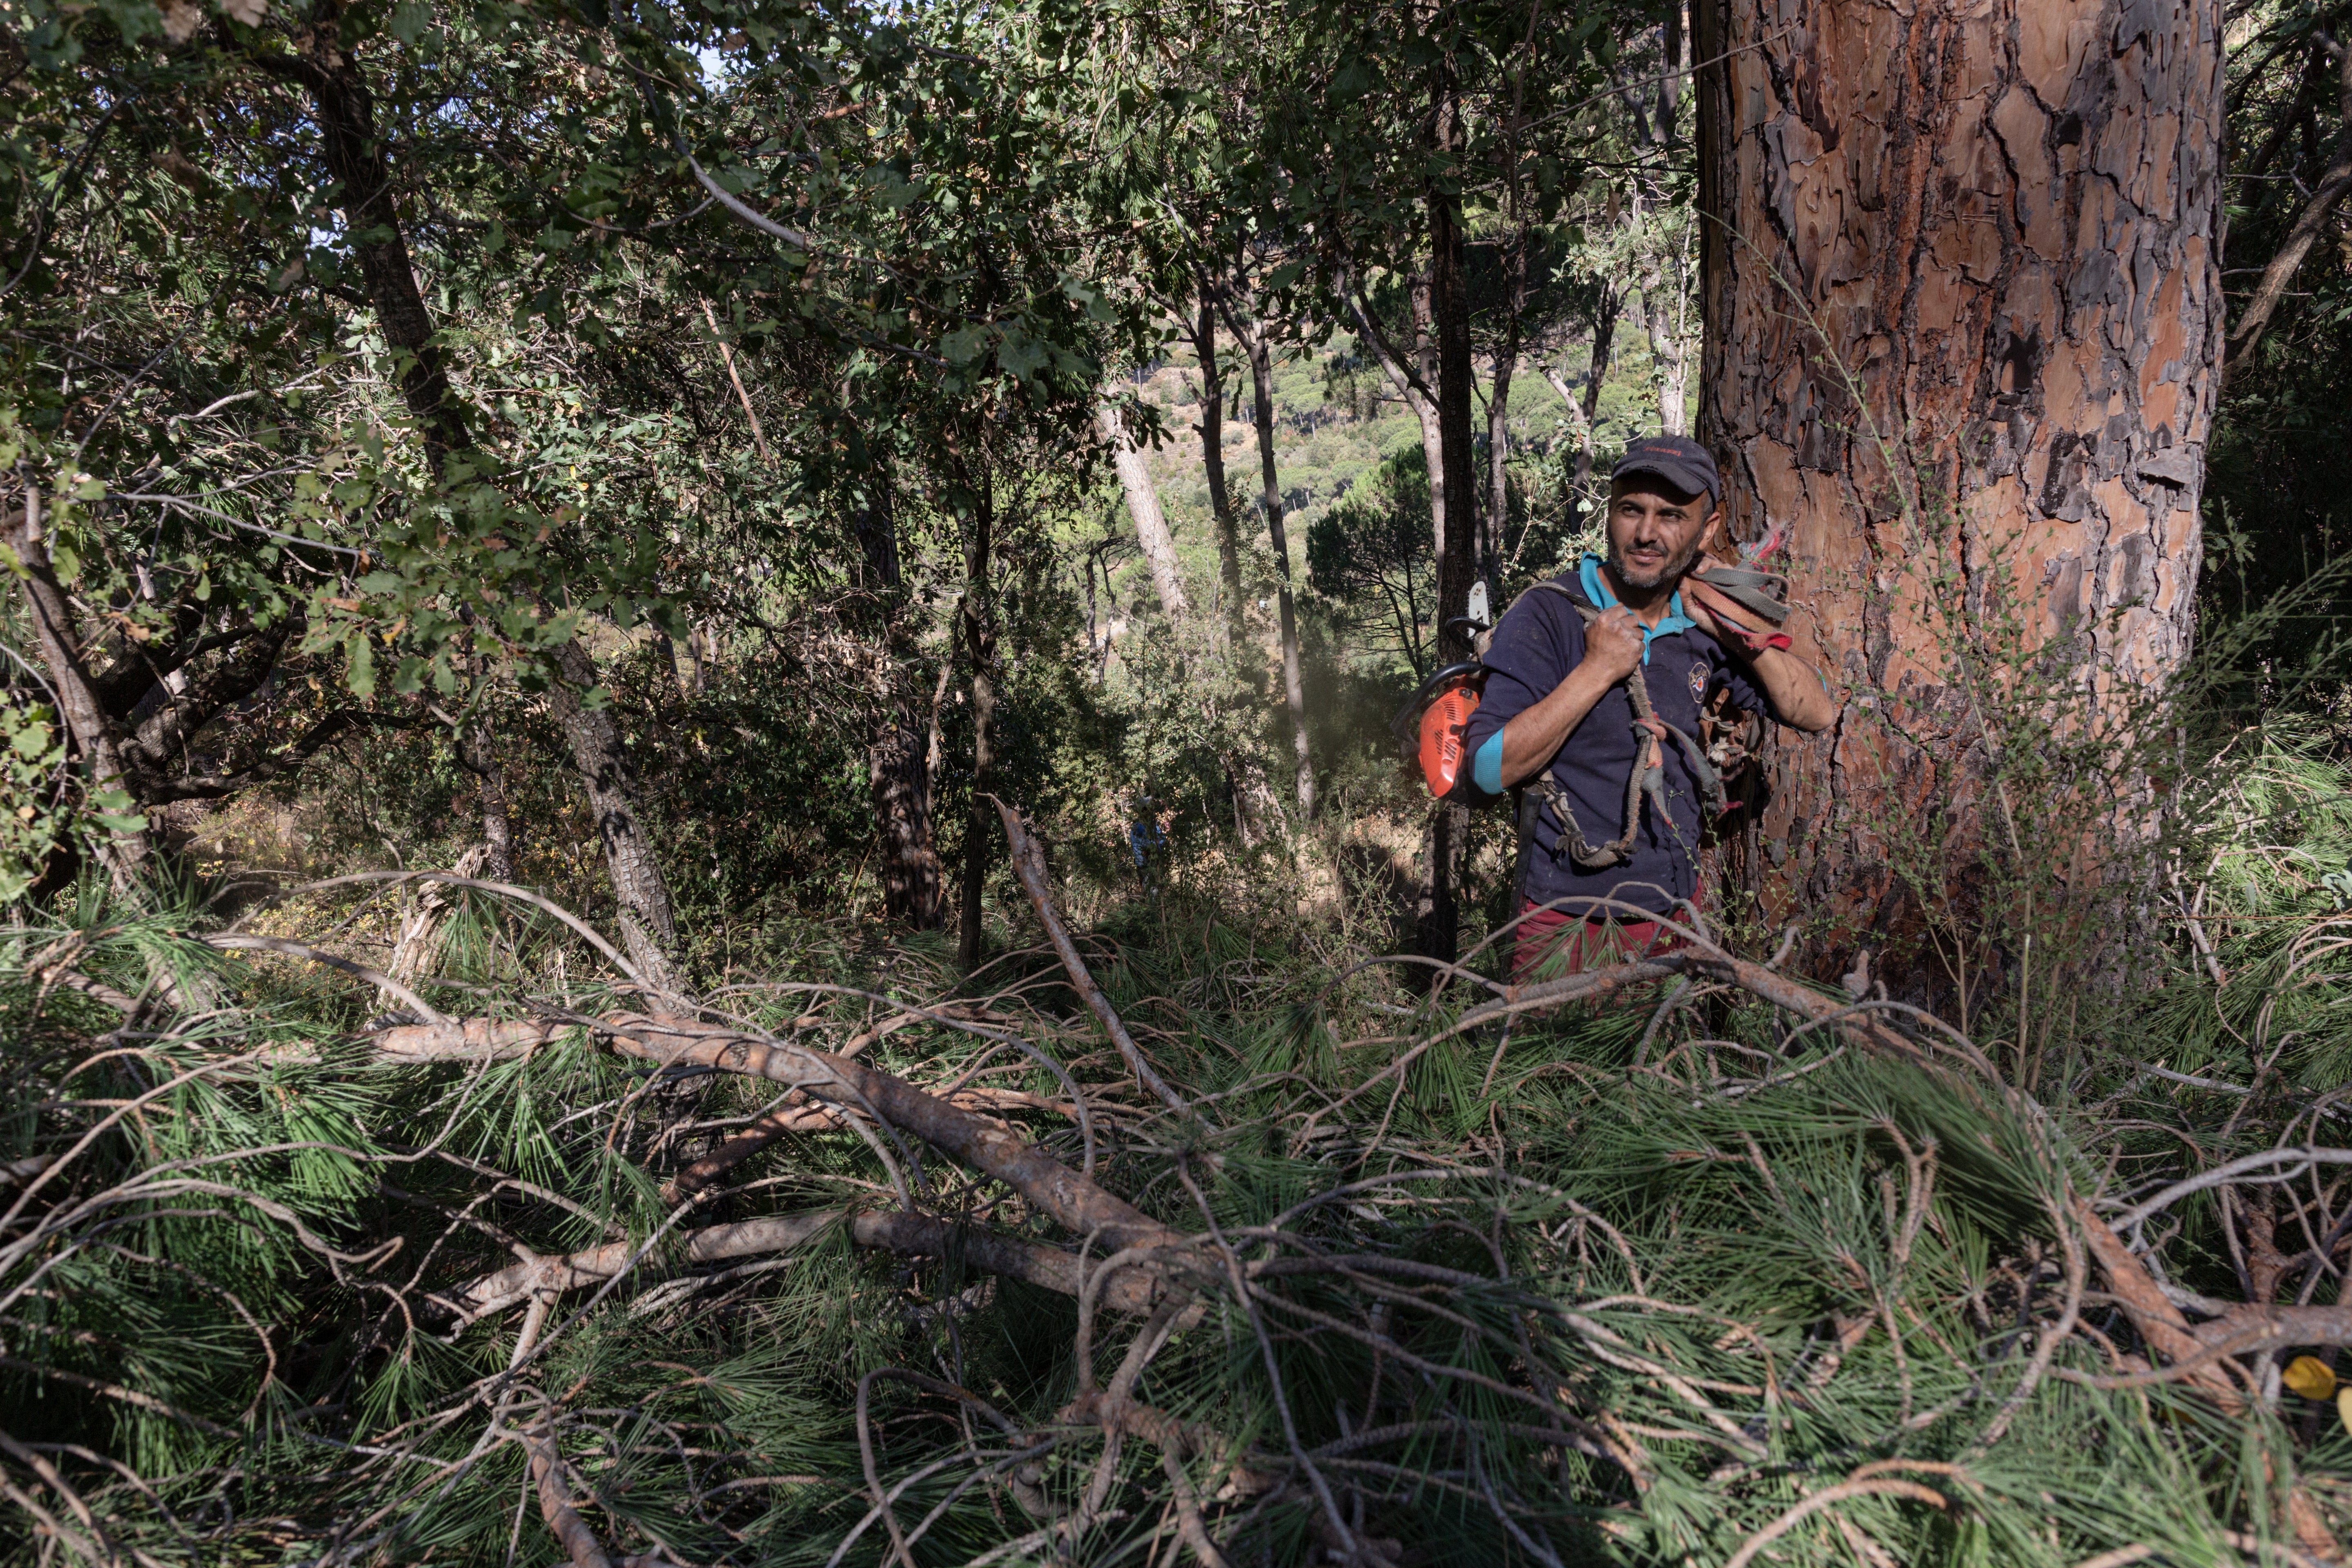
(1596, 588)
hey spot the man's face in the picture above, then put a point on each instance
(1654, 530)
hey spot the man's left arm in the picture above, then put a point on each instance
(1799, 696)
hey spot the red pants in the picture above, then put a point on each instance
(1559, 941)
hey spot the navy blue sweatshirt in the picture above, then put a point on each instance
(1538, 643)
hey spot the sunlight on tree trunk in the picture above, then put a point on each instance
(1963, 312)
(1151, 523)
(1499, 424)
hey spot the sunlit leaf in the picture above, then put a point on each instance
(2309, 1377)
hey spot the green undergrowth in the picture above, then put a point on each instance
(1604, 1287)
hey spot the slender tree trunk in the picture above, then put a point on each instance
(901, 788)
(648, 929)
(94, 735)
(2335, 181)
(1412, 385)
(1666, 348)
(899, 767)
(1425, 412)
(478, 752)
(978, 627)
(497, 820)
(1449, 301)
(1242, 773)
(355, 157)
(1663, 283)
(1261, 363)
(1499, 426)
(1588, 406)
(1151, 523)
(1974, 251)
(1213, 459)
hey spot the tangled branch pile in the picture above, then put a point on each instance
(1130, 1251)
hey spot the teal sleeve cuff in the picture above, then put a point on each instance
(1486, 767)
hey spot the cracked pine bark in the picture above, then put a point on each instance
(1973, 250)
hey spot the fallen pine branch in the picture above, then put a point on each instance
(1128, 1290)
(1071, 1200)
(1029, 864)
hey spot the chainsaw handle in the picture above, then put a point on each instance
(1408, 718)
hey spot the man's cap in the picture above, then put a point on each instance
(1677, 459)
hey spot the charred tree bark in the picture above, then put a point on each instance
(648, 928)
(1976, 252)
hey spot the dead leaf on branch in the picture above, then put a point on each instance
(249, 12)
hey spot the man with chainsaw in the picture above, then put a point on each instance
(1594, 689)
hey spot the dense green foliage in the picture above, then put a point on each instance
(732, 375)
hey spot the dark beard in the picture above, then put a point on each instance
(1672, 572)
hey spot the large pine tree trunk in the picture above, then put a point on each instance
(1972, 256)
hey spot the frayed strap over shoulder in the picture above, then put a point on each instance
(1765, 594)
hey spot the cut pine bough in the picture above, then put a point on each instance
(1527, 1346)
